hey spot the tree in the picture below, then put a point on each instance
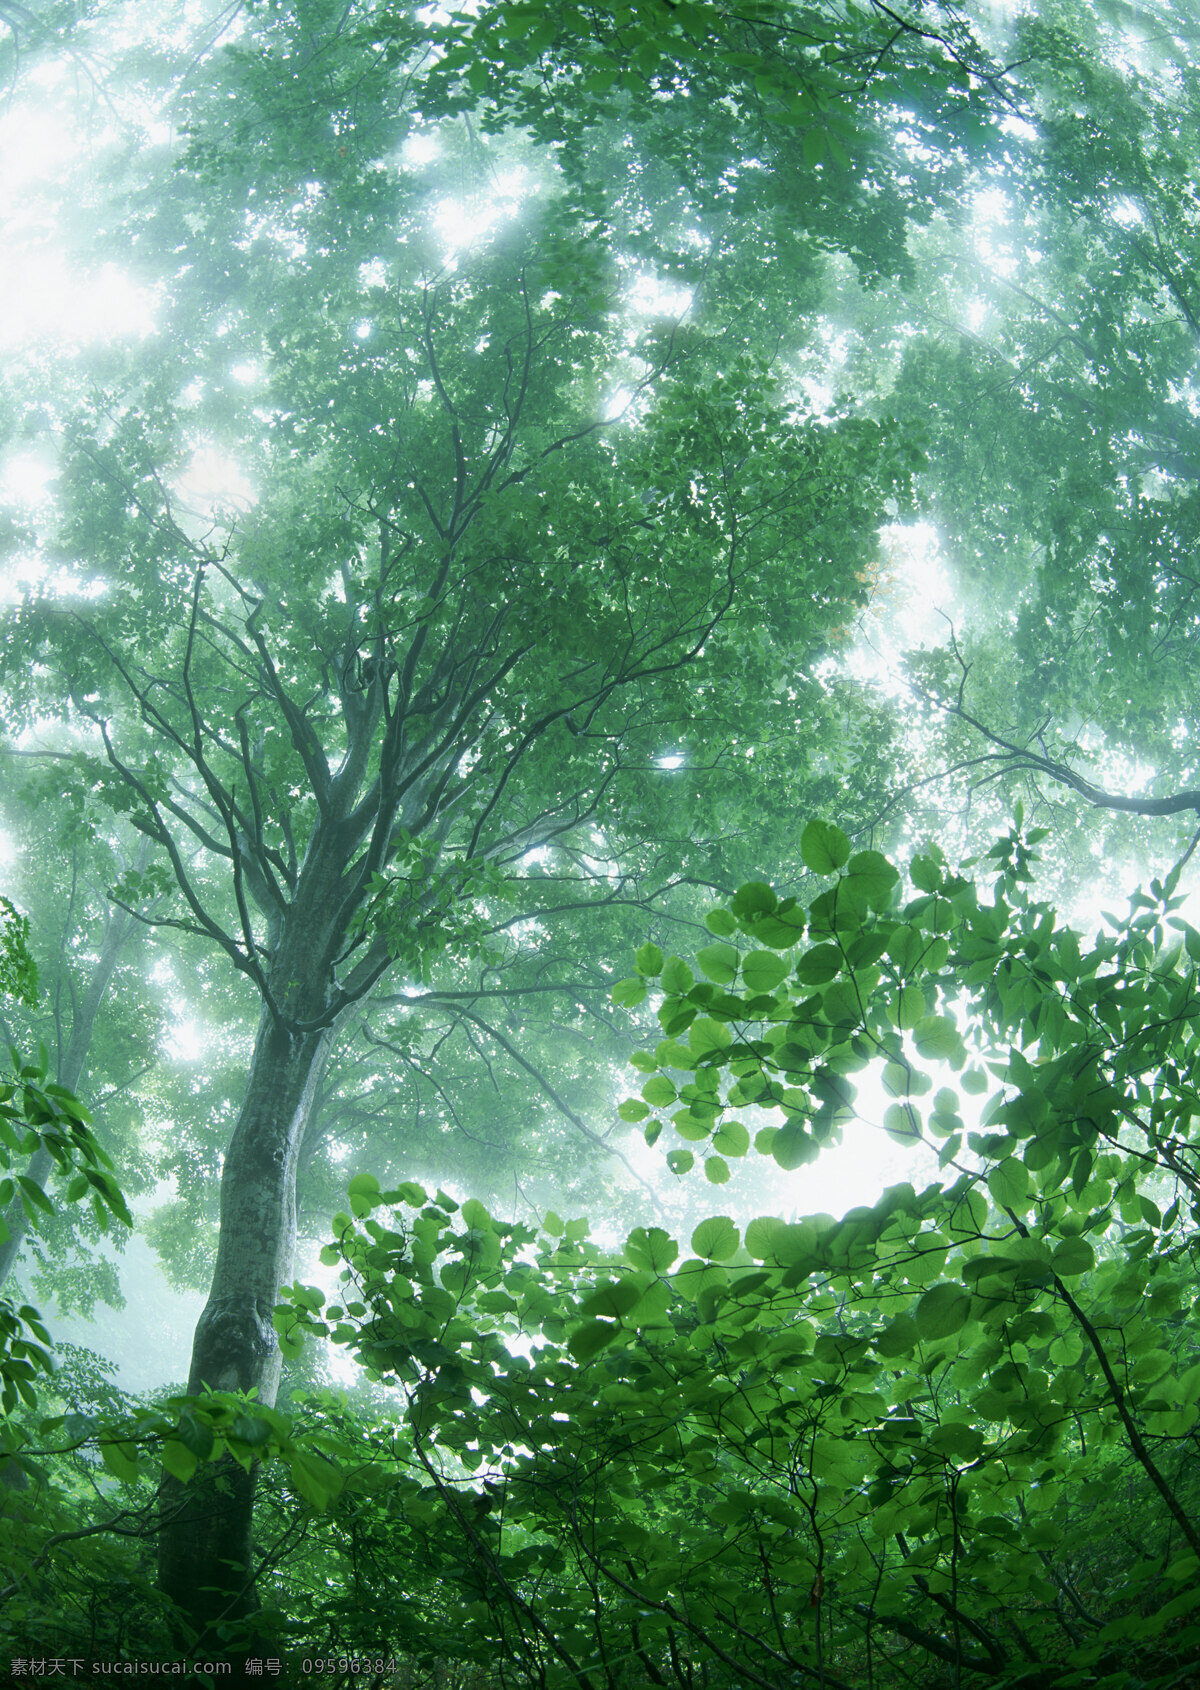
(42, 1124)
(449, 631)
(1058, 336)
(74, 1015)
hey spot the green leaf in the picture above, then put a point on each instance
(897, 1079)
(842, 1004)
(716, 1238)
(722, 922)
(677, 977)
(762, 971)
(613, 1300)
(819, 965)
(318, 1481)
(754, 899)
(707, 1037)
(632, 1109)
(718, 962)
(659, 1091)
(763, 1235)
(925, 874)
(870, 879)
(943, 1311)
(899, 1338)
(793, 1145)
(782, 932)
(627, 994)
(908, 1009)
(680, 1161)
(588, 1340)
(937, 1039)
(252, 1430)
(648, 959)
(178, 1459)
(195, 1435)
(289, 1329)
(695, 1127)
(731, 1139)
(902, 1122)
(716, 1170)
(1073, 1256)
(121, 1460)
(1008, 1183)
(957, 1441)
(37, 1197)
(824, 847)
(651, 1248)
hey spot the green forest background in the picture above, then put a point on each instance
(600, 620)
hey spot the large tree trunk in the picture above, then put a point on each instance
(205, 1562)
(205, 1543)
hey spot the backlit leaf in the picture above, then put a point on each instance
(716, 1238)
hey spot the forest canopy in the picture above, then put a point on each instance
(599, 620)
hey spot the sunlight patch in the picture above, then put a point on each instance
(36, 146)
(913, 604)
(26, 476)
(32, 575)
(420, 148)
(184, 1042)
(651, 296)
(214, 480)
(1126, 212)
(616, 405)
(42, 298)
(464, 223)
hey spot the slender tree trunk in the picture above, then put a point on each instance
(71, 1068)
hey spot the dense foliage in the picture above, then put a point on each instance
(529, 462)
(916, 1439)
(921, 1434)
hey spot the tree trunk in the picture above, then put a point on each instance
(205, 1553)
